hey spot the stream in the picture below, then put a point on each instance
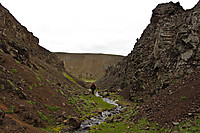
(98, 119)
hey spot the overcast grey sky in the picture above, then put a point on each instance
(87, 26)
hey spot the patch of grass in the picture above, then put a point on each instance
(3, 87)
(120, 127)
(31, 102)
(95, 104)
(56, 108)
(4, 99)
(69, 77)
(4, 41)
(57, 90)
(49, 118)
(61, 92)
(30, 88)
(11, 111)
(47, 80)
(72, 101)
(38, 79)
(75, 111)
(22, 80)
(14, 71)
(17, 62)
(11, 83)
(54, 83)
(40, 84)
(42, 116)
(35, 85)
(89, 80)
(183, 98)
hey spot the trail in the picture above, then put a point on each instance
(98, 119)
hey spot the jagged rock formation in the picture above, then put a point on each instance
(167, 50)
(88, 66)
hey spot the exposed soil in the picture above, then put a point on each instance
(178, 102)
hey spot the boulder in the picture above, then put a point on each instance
(74, 122)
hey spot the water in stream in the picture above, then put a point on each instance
(98, 119)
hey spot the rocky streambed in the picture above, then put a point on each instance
(98, 119)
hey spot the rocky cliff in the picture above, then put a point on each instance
(88, 66)
(167, 51)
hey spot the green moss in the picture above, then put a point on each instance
(11, 83)
(182, 98)
(42, 116)
(61, 92)
(14, 71)
(38, 79)
(49, 118)
(22, 80)
(57, 90)
(31, 102)
(120, 127)
(30, 88)
(17, 61)
(69, 77)
(72, 101)
(4, 99)
(54, 83)
(3, 87)
(56, 108)
(35, 85)
(94, 103)
(11, 111)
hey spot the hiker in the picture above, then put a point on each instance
(93, 87)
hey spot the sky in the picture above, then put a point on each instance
(87, 26)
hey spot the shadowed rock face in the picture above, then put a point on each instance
(88, 66)
(167, 50)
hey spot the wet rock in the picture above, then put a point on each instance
(74, 122)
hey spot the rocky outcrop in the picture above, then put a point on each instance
(88, 66)
(167, 50)
(17, 41)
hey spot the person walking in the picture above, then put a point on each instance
(93, 87)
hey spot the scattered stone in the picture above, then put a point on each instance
(147, 128)
(110, 120)
(175, 123)
(184, 126)
(113, 126)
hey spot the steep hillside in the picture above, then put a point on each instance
(35, 90)
(177, 103)
(167, 50)
(88, 66)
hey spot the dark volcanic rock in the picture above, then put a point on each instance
(167, 50)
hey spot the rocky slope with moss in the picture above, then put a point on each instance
(167, 50)
(36, 93)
